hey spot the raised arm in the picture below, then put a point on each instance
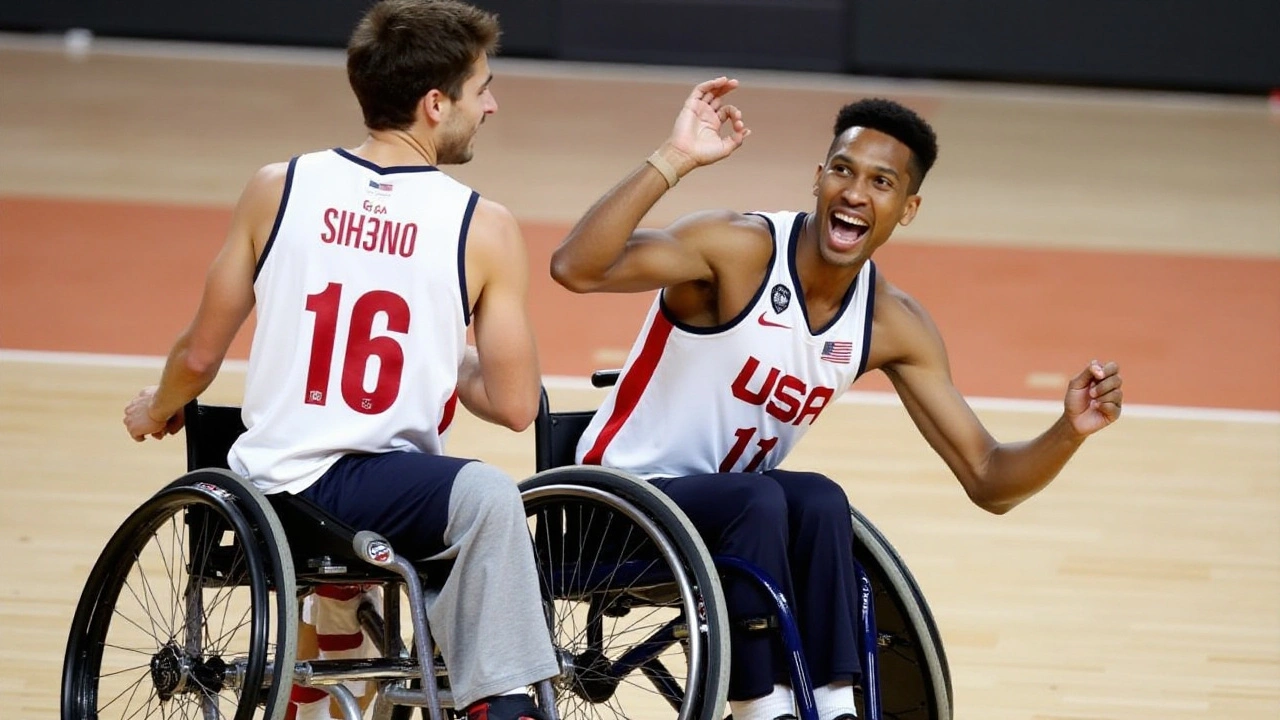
(197, 354)
(499, 380)
(605, 252)
(996, 476)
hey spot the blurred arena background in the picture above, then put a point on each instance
(1108, 185)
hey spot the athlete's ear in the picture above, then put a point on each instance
(433, 105)
(909, 210)
(817, 175)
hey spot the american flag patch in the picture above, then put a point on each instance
(381, 187)
(837, 352)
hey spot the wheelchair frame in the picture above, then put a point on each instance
(556, 438)
(286, 545)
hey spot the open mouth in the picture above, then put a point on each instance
(847, 230)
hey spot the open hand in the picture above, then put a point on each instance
(1094, 397)
(699, 136)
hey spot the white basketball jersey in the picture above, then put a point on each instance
(361, 318)
(734, 398)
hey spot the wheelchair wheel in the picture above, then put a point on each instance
(915, 682)
(633, 600)
(190, 611)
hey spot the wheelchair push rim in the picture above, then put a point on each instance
(618, 613)
(915, 679)
(179, 617)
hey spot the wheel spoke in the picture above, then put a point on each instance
(159, 648)
(615, 589)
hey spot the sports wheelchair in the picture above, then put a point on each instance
(192, 608)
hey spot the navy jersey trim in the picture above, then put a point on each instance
(462, 256)
(387, 170)
(746, 311)
(795, 280)
(275, 228)
(871, 313)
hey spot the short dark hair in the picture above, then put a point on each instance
(897, 121)
(403, 49)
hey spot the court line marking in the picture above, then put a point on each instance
(565, 382)
(314, 56)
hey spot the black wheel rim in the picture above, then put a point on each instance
(599, 615)
(174, 621)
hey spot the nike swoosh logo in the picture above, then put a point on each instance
(770, 323)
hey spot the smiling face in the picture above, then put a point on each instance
(864, 192)
(465, 116)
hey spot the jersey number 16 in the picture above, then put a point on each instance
(361, 347)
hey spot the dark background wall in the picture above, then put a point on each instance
(1214, 45)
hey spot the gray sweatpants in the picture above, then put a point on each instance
(488, 618)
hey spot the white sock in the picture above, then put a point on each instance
(332, 609)
(834, 700)
(779, 702)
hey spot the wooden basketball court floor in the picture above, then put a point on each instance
(1059, 225)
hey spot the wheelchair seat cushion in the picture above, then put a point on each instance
(322, 549)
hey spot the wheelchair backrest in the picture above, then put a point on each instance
(211, 429)
(320, 543)
(556, 434)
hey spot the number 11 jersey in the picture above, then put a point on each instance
(362, 315)
(738, 397)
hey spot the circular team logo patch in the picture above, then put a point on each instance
(780, 296)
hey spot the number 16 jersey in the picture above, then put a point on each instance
(361, 318)
(733, 398)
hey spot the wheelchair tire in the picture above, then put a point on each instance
(915, 682)
(142, 645)
(662, 573)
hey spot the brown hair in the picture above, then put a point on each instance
(403, 49)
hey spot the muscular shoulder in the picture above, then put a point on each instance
(263, 193)
(897, 305)
(495, 248)
(903, 331)
(493, 228)
(726, 236)
(720, 226)
(268, 182)
(259, 204)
